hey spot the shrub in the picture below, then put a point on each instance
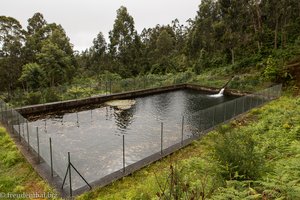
(50, 95)
(237, 153)
(33, 98)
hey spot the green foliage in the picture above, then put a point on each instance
(237, 153)
(76, 92)
(33, 98)
(56, 63)
(33, 75)
(16, 175)
(51, 95)
(272, 70)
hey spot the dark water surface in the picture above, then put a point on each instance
(94, 137)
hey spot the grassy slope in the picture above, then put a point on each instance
(275, 129)
(17, 175)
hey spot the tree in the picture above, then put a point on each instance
(56, 63)
(164, 43)
(123, 41)
(36, 34)
(98, 56)
(11, 43)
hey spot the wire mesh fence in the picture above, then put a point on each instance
(93, 165)
(32, 96)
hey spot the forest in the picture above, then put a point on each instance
(240, 34)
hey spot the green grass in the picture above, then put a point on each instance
(16, 175)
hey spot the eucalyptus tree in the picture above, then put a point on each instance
(123, 43)
(35, 35)
(12, 37)
(97, 55)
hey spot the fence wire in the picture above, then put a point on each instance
(95, 165)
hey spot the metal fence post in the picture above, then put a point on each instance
(70, 175)
(182, 130)
(123, 153)
(244, 103)
(51, 156)
(235, 107)
(19, 127)
(77, 119)
(110, 87)
(28, 142)
(5, 115)
(91, 115)
(23, 130)
(45, 125)
(106, 87)
(214, 114)
(225, 110)
(38, 143)
(161, 137)
(12, 121)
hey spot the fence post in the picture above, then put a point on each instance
(19, 127)
(28, 142)
(244, 97)
(5, 113)
(214, 114)
(12, 121)
(45, 125)
(77, 119)
(235, 107)
(23, 130)
(200, 121)
(70, 175)
(38, 143)
(110, 89)
(123, 153)
(225, 110)
(106, 87)
(182, 130)
(161, 137)
(51, 158)
(91, 115)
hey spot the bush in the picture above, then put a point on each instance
(272, 71)
(32, 98)
(246, 62)
(238, 155)
(50, 95)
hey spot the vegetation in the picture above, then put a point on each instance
(16, 175)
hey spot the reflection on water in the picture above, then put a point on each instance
(94, 136)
